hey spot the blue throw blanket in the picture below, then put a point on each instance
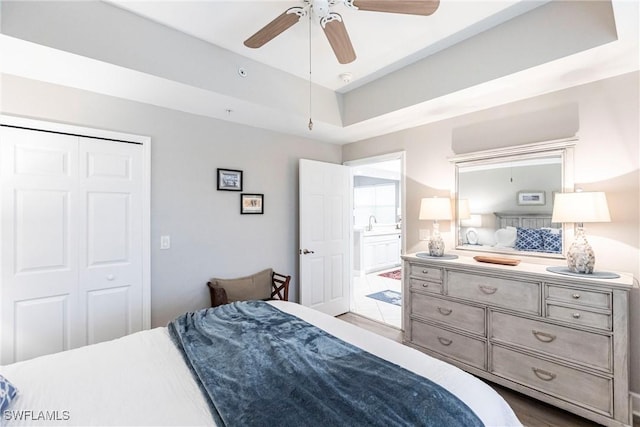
(259, 366)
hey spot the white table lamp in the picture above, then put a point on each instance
(580, 207)
(435, 208)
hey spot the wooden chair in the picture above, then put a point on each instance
(264, 285)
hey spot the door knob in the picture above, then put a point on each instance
(306, 251)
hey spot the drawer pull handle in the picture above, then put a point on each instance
(489, 290)
(576, 296)
(543, 375)
(444, 341)
(576, 315)
(425, 271)
(543, 336)
(425, 285)
(445, 311)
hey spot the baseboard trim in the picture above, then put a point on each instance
(635, 404)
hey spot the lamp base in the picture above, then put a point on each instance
(580, 256)
(436, 245)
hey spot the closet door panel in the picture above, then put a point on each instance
(111, 238)
(39, 198)
(43, 325)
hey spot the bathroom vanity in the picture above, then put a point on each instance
(376, 249)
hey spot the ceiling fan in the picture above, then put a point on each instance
(332, 23)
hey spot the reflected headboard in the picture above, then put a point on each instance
(525, 220)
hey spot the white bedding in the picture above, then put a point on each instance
(141, 379)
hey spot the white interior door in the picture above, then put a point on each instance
(324, 236)
(72, 228)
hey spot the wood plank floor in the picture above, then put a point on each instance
(531, 412)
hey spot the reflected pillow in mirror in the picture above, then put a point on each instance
(506, 237)
(551, 240)
(529, 239)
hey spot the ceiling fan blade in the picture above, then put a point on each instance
(409, 7)
(284, 21)
(338, 38)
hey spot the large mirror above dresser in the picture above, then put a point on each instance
(504, 198)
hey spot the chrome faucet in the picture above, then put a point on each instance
(370, 227)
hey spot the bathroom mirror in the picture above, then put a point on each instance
(504, 198)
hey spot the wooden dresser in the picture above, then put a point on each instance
(558, 338)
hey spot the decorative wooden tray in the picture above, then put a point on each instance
(497, 260)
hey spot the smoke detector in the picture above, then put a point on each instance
(346, 77)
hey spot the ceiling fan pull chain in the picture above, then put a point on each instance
(310, 121)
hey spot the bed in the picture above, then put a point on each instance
(516, 232)
(144, 379)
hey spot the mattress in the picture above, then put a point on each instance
(141, 379)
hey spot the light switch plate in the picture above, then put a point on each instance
(165, 242)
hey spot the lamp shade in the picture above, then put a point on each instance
(435, 208)
(463, 209)
(581, 207)
(475, 220)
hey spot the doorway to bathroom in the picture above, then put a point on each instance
(377, 188)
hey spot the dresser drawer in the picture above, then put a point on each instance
(579, 296)
(460, 347)
(512, 294)
(580, 346)
(452, 313)
(578, 316)
(425, 285)
(571, 384)
(433, 274)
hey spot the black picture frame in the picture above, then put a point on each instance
(251, 204)
(229, 179)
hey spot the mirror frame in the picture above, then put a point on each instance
(563, 147)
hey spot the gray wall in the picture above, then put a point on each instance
(607, 158)
(209, 237)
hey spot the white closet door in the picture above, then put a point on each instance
(72, 233)
(39, 234)
(110, 238)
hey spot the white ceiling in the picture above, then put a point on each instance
(382, 41)
(384, 44)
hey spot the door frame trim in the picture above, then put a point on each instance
(145, 142)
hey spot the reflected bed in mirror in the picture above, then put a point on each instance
(504, 198)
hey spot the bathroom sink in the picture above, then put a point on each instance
(381, 232)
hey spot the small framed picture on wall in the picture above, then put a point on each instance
(531, 198)
(251, 203)
(229, 180)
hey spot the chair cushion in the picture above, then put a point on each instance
(254, 287)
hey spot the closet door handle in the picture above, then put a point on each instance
(543, 375)
(543, 336)
(489, 290)
(445, 311)
(444, 341)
